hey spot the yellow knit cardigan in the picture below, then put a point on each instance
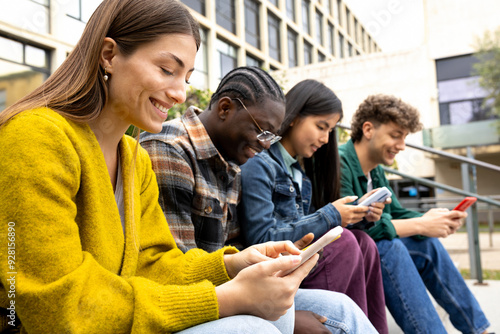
(74, 270)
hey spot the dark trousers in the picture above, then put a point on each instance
(351, 265)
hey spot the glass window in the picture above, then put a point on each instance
(307, 53)
(274, 36)
(461, 112)
(199, 78)
(363, 35)
(197, 5)
(331, 39)
(356, 36)
(290, 9)
(341, 46)
(21, 53)
(81, 10)
(227, 58)
(292, 49)
(328, 7)
(225, 14)
(23, 68)
(35, 56)
(252, 34)
(319, 28)
(305, 16)
(460, 89)
(339, 11)
(27, 15)
(321, 57)
(251, 61)
(348, 21)
(349, 49)
(274, 2)
(11, 50)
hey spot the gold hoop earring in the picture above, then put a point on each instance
(106, 77)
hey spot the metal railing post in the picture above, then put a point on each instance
(469, 184)
(490, 224)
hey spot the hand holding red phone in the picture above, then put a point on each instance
(465, 204)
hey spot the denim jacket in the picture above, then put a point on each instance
(273, 207)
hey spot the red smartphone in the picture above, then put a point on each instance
(466, 202)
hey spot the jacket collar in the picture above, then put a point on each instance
(275, 153)
(355, 165)
(203, 145)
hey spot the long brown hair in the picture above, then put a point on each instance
(77, 89)
(311, 97)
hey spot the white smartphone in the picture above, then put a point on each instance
(310, 250)
(379, 196)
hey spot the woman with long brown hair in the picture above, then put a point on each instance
(89, 249)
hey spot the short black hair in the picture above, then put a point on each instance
(250, 84)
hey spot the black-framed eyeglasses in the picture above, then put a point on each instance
(264, 135)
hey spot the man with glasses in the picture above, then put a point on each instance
(196, 157)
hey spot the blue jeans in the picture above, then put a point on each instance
(246, 324)
(343, 315)
(409, 267)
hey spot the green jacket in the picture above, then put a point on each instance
(353, 182)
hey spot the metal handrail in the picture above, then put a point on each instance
(442, 186)
(445, 154)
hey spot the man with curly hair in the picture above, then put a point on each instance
(412, 258)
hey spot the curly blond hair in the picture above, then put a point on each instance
(382, 109)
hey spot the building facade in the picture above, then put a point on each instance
(274, 35)
(37, 35)
(35, 38)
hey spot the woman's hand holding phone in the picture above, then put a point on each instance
(377, 199)
(258, 289)
(350, 214)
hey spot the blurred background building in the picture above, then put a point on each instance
(37, 35)
(274, 35)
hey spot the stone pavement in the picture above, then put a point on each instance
(488, 295)
(457, 245)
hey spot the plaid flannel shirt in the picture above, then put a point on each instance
(199, 190)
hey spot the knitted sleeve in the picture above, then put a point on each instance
(59, 286)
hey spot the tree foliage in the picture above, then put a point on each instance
(194, 97)
(488, 67)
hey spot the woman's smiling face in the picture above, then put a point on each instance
(145, 84)
(307, 134)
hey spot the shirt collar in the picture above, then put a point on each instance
(287, 158)
(355, 166)
(200, 140)
(351, 154)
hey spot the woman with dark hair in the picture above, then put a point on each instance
(89, 247)
(283, 199)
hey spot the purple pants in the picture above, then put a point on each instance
(351, 265)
